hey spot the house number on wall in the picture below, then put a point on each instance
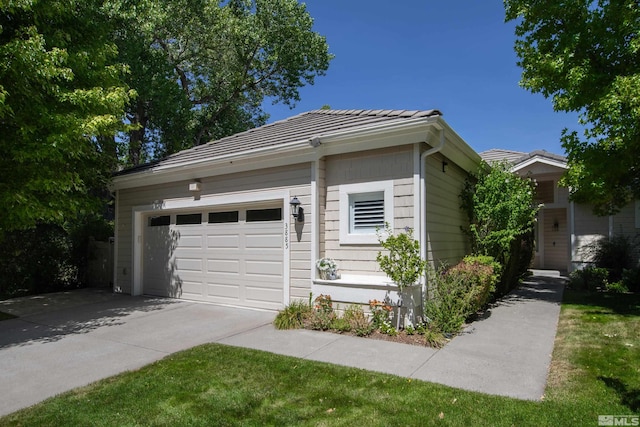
(286, 235)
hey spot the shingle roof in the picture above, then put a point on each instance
(498, 155)
(294, 129)
(516, 157)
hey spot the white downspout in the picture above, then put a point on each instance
(423, 199)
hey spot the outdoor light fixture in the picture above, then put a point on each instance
(194, 186)
(295, 205)
(556, 226)
(444, 166)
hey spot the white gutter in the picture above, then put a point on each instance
(422, 233)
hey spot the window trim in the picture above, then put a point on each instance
(345, 193)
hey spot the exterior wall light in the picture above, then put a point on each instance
(296, 210)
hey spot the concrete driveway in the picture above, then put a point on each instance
(70, 339)
(66, 340)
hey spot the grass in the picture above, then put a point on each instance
(595, 371)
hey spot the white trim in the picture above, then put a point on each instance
(572, 230)
(116, 240)
(138, 213)
(538, 159)
(417, 202)
(315, 213)
(345, 190)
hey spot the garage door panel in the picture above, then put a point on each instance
(263, 294)
(236, 263)
(223, 266)
(264, 268)
(263, 241)
(231, 241)
(189, 264)
(190, 241)
(223, 290)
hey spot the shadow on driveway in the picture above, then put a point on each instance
(51, 317)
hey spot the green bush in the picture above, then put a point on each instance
(293, 316)
(617, 288)
(340, 324)
(358, 321)
(631, 279)
(501, 211)
(615, 254)
(459, 292)
(37, 261)
(590, 278)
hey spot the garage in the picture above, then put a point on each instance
(228, 255)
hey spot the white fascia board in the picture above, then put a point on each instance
(240, 162)
(539, 159)
(458, 150)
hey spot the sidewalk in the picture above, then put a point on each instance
(66, 340)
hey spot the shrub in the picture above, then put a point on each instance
(459, 292)
(617, 288)
(445, 309)
(403, 263)
(615, 254)
(358, 321)
(340, 324)
(590, 278)
(501, 211)
(293, 316)
(321, 320)
(631, 279)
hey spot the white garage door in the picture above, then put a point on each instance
(229, 256)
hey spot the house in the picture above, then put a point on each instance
(215, 223)
(564, 229)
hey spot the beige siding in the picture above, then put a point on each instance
(588, 228)
(295, 178)
(388, 164)
(300, 254)
(445, 241)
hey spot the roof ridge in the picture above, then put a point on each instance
(380, 113)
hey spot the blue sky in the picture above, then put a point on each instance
(456, 56)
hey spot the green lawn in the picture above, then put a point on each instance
(595, 371)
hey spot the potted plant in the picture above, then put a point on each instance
(403, 265)
(327, 268)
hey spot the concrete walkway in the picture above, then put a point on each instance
(70, 339)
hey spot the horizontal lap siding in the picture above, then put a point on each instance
(296, 178)
(588, 228)
(446, 243)
(379, 165)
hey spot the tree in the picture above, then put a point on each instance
(62, 99)
(502, 213)
(202, 69)
(585, 55)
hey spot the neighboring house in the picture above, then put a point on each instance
(214, 223)
(564, 229)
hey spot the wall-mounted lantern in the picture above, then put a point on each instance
(444, 166)
(296, 210)
(556, 225)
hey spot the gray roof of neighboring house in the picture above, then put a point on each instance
(516, 157)
(293, 129)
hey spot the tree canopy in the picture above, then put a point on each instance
(87, 85)
(202, 69)
(62, 98)
(585, 56)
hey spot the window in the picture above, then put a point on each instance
(159, 221)
(363, 209)
(187, 219)
(545, 192)
(366, 212)
(220, 217)
(254, 215)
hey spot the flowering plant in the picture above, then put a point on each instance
(326, 264)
